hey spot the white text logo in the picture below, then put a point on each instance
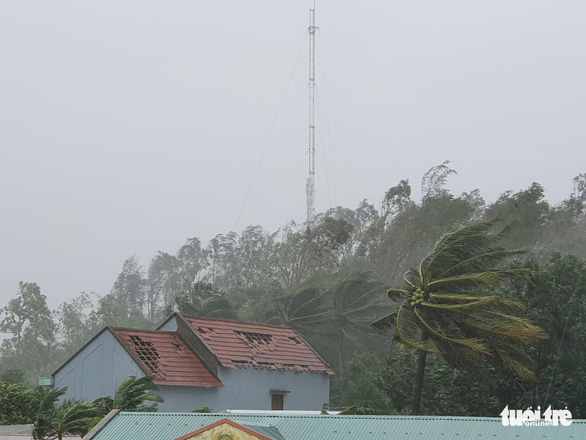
(518, 417)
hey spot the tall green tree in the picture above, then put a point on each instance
(75, 327)
(130, 286)
(32, 343)
(451, 306)
(205, 301)
(192, 261)
(163, 284)
(524, 217)
(362, 385)
(555, 294)
(403, 232)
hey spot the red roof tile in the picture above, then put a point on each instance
(165, 356)
(240, 344)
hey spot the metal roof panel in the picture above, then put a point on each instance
(170, 426)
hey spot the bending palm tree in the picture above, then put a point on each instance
(132, 395)
(72, 417)
(450, 307)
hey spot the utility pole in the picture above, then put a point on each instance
(310, 185)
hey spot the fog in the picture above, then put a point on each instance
(129, 126)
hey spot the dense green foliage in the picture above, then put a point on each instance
(15, 404)
(54, 418)
(329, 282)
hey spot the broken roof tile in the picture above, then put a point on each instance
(166, 357)
(242, 344)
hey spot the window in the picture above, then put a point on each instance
(277, 401)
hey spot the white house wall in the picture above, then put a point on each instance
(96, 370)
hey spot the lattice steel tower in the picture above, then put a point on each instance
(310, 185)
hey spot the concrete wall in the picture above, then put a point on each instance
(250, 389)
(97, 370)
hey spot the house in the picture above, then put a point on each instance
(196, 362)
(264, 426)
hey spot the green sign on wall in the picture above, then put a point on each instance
(45, 381)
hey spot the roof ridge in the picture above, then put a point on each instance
(325, 416)
(285, 327)
(141, 329)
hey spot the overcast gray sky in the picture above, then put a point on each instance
(129, 125)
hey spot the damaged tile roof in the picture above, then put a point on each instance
(242, 344)
(165, 356)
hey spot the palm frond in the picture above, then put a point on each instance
(474, 344)
(492, 278)
(132, 394)
(410, 333)
(506, 326)
(478, 262)
(515, 365)
(459, 297)
(396, 294)
(482, 302)
(460, 245)
(386, 323)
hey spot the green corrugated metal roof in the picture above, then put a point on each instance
(169, 426)
(268, 431)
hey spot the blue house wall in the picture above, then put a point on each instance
(97, 369)
(251, 389)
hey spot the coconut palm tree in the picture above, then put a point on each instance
(71, 417)
(302, 309)
(452, 306)
(355, 300)
(333, 311)
(53, 420)
(131, 395)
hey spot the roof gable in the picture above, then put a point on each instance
(243, 344)
(225, 429)
(166, 357)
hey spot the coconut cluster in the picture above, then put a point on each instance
(417, 297)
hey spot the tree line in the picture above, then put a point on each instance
(329, 282)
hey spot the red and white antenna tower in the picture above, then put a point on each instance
(310, 185)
